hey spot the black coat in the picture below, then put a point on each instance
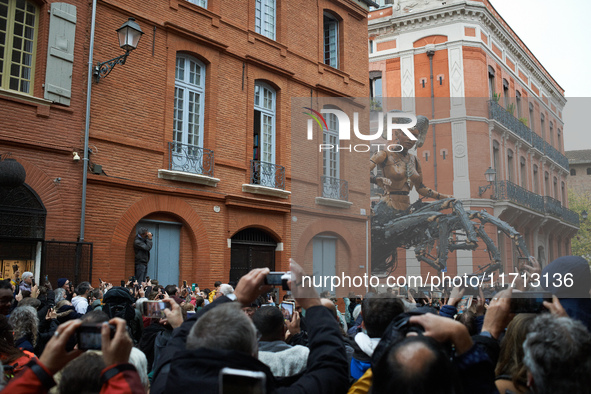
(142, 247)
(327, 371)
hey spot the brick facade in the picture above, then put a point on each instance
(131, 126)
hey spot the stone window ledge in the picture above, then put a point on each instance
(189, 177)
(265, 190)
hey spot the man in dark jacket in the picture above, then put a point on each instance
(216, 343)
(142, 245)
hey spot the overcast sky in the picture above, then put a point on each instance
(557, 32)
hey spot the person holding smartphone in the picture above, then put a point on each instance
(142, 245)
(222, 336)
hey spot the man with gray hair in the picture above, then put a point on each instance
(558, 356)
(142, 244)
(224, 290)
(223, 336)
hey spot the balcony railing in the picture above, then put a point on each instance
(190, 158)
(537, 142)
(570, 216)
(506, 190)
(555, 155)
(334, 188)
(267, 174)
(504, 117)
(553, 206)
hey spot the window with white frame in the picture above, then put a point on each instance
(200, 3)
(18, 33)
(189, 98)
(264, 133)
(331, 40)
(330, 158)
(265, 16)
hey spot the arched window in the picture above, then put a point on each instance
(510, 167)
(491, 81)
(531, 117)
(536, 180)
(187, 125)
(573, 172)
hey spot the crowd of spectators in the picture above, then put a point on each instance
(238, 336)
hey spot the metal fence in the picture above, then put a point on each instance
(72, 260)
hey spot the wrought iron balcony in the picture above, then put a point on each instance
(267, 174)
(504, 117)
(537, 142)
(506, 190)
(555, 155)
(570, 216)
(334, 188)
(552, 206)
(190, 158)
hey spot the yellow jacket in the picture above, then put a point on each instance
(363, 384)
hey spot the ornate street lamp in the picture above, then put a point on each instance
(490, 176)
(129, 36)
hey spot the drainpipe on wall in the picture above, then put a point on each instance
(87, 122)
(431, 53)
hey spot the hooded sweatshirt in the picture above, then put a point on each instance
(283, 359)
(81, 304)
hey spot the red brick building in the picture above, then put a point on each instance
(494, 105)
(191, 137)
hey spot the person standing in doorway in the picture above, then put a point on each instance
(142, 246)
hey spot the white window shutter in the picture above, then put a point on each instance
(60, 53)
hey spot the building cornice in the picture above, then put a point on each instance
(475, 13)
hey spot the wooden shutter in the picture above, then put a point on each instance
(60, 53)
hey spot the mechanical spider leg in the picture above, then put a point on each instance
(485, 217)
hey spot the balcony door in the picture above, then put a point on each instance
(189, 97)
(263, 171)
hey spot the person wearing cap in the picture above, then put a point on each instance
(63, 283)
(27, 282)
(569, 279)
